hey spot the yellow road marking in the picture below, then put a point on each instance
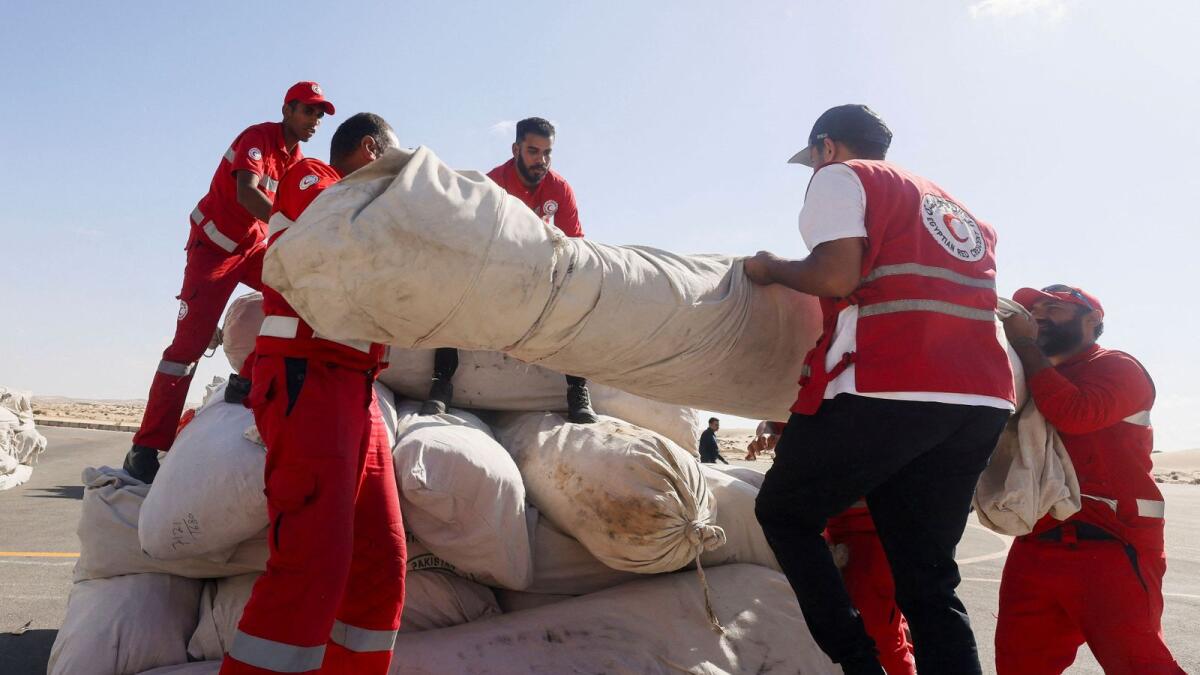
(37, 554)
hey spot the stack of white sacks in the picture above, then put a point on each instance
(534, 545)
(20, 442)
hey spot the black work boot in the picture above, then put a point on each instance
(237, 388)
(579, 405)
(439, 397)
(142, 463)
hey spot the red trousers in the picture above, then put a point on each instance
(331, 597)
(209, 278)
(1055, 596)
(868, 580)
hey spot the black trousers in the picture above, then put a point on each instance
(445, 364)
(917, 464)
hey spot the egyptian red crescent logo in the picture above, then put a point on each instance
(954, 225)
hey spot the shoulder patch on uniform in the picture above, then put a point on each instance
(953, 228)
(550, 207)
(308, 181)
(255, 154)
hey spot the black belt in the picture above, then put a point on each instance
(1082, 532)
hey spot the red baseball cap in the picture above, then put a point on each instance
(1027, 297)
(308, 92)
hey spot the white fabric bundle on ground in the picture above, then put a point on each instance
(126, 625)
(208, 495)
(240, 327)
(634, 499)
(411, 253)
(21, 444)
(648, 626)
(1030, 475)
(462, 495)
(745, 541)
(108, 535)
(742, 473)
(497, 381)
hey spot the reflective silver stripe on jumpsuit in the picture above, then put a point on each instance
(279, 657)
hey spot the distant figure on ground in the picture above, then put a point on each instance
(1097, 576)
(710, 452)
(225, 246)
(331, 597)
(528, 177)
(766, 436)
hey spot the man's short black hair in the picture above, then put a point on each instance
(713, 419)
(350, 132)
(534, 125)
(865, 149)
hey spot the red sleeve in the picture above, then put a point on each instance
(249, 151)
(567, 218)
(1107, 391)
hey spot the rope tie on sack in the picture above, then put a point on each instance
(706, 537)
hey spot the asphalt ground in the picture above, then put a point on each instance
(38, 521)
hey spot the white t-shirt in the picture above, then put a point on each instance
(835, 208)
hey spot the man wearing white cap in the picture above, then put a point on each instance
(902, 399)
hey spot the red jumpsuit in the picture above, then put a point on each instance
(869, 582)
(225, 246)
(552, 199)
(331, 598)
(1097, 577)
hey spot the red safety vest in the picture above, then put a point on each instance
(926, 301)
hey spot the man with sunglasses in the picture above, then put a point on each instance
(902, 399)
(1096, 577)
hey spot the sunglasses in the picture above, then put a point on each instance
(1073, 292)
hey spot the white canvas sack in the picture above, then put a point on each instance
(411, 253)
(125, 625)
(108, 536)
(651, 626)
(462, 495)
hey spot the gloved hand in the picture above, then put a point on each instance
(236, 389)
(142, 463)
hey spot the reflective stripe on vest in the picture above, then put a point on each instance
(1142, 419)
(197, 216)
(229, 155)
(362, 639)
(860, 504)
(1146, 508)
(938, 306)
(268, 183)
(278, 223)
(216, 237)
(288, 326)
(928, 271)
(279, 657)
(175, 368)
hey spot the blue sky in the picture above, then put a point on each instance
(1070, 125)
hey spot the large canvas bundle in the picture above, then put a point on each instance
(462, 495)
(125, 625)
(409, 252)
(745, 541)
(634, 499)
(108, 536)
(651, 626)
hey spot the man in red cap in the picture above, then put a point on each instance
(902, 398)
(1097, 576)
(528, 177)
(225, 246)
(331, 597)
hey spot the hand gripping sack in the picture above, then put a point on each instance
(462, 495)
(411, 253)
